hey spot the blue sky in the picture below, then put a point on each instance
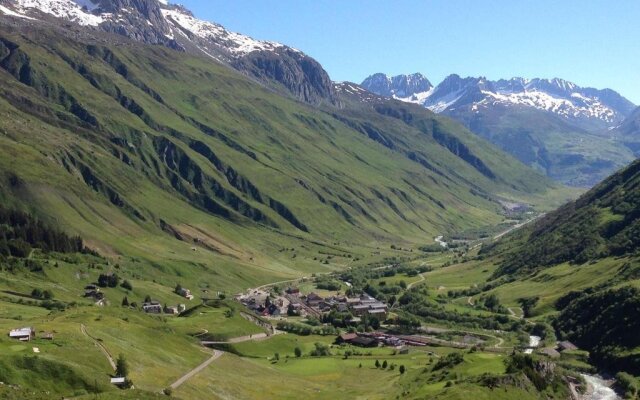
(590, 42)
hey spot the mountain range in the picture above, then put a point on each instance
(150, 158)
(553, 125)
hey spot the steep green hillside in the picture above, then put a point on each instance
(578, 268)
(151, 153)
(604, 222)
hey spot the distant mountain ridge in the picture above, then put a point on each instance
(562, 129)
(556, 95)
(160, 23)
(399, 86)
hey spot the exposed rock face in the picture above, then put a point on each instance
(300, 74)
(400, 86)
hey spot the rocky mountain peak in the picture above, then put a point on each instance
(399, 86)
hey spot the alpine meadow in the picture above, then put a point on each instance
(188, 212)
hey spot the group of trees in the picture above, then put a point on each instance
(42, 294)
(20, 232)
(108, 280)
(305, 329)
(391, 367)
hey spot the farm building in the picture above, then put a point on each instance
(186, 293)
(346, 338)
(23, 334)
(118, 381)
(364, 342)
(152, 307)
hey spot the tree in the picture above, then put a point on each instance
(402, 369)
(122, 367)
(290, 310)
(492, 302)
(403, 284)
(147, 299)
(298, 352)
(126, 285)
(385, 364)
(276, 356)
(178, 288)
(377, 364)
(36, 293)
(125, 302)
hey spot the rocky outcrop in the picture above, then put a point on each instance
(300, 74)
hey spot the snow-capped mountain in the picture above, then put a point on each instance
(159, 22)
(583, 106)
(566, 131)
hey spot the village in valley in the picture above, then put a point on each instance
(360, 312)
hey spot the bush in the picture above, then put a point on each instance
(449, 361)
(627, 384)
(321, 350)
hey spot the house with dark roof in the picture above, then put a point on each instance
(313, 300)
(346, 338)
(364, 342)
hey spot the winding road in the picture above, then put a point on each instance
(409, 286)
(216, 354)
(104, 350)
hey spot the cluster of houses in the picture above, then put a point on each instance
(260, 303)
(312, 304)
(357, 306)
(154, 307)
(27, 334)
(561, 347)
(93, 292)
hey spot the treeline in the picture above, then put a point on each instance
(21, 232)
(606, 323)
(305, 330)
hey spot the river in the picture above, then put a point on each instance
(534, 341)
(598, 389)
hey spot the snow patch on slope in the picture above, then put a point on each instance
(67, 9)
(236, 43)
(12, 13)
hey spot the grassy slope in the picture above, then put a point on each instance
(342, 186)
